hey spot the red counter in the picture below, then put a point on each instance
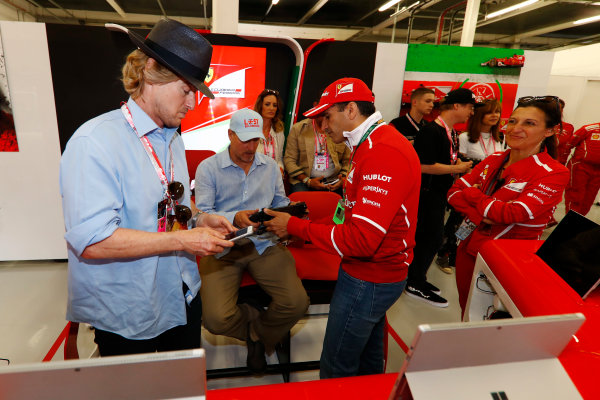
(357, 388)
(536, 289)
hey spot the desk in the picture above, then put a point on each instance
(356, 388)
(529, 287)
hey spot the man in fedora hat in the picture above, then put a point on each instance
(126, 197)
(375, 228)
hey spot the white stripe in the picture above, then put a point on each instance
(538, 162)
(526, 208)
(508, 228)
(405, 245)
(405, 216)
(465, 182)
(314, 110)
(449, 197)
(370, 142)
(488, 208)
(375, 224)
(531, 225)
(335, 245)
(406, 263)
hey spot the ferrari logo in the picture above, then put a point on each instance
(210, 75)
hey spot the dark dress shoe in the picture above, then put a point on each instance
(255, 360)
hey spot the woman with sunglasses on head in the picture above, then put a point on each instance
(270, 106)
(480, 141)
(513, 194)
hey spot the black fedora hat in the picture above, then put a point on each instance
(177, 47)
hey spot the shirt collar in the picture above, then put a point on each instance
(353, 137)
(142, 121)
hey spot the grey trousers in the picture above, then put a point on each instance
(275, 273)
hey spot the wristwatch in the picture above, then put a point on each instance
(305, 180)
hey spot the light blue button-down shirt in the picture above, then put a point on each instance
(107, 182)
(223, 188)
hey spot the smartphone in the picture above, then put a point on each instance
(331, 181)
(241, 233)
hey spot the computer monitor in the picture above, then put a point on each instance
(572, 250)
(513, 358)
(166, 375)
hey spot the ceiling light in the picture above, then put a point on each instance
(275, 2)
(389, 4)
(511, 8)
(587, 20)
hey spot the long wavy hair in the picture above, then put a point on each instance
(135, 76)
(277, 121)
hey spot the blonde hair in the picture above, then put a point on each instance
(135, 74)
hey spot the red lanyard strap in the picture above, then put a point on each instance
(453, 144)
(490, 141)
(150, 151)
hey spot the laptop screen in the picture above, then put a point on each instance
(573, 251)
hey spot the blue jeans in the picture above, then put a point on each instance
(353, 342)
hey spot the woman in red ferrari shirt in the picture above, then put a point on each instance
(511, 195)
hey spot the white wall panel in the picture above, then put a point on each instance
(388, 78)
(31, 222)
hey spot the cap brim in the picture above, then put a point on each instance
(139, 42)
(318, 110)
(245, 136)
(477, 105)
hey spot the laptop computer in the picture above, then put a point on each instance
(500, 359)
(573, 251)
(166, 375)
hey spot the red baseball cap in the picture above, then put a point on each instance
(341, 91)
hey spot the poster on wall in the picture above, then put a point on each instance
(236, 77)
(445, 68)
(8, 135)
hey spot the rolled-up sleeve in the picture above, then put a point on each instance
(91, 194)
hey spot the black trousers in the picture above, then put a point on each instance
(450, 241)
(181, 337)
(428, 236)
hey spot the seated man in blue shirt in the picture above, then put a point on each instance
(131, 275)
(235, 184)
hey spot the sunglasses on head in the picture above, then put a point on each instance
(271, 91)
(542, 99)
(182, 212)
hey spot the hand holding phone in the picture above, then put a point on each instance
(240, 233)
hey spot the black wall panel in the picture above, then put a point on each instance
(86, 66)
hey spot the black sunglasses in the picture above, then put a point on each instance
(271, 91)
(543, 99)
(182, 212)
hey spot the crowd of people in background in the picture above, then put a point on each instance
(126, 200)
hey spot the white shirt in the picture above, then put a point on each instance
(485, 146)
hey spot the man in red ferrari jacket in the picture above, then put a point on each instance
(376, 238)
(585, 169)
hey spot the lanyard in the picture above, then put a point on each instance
(490, 140)
(412, 121)
(150, 151)
(269, 142)
(320, 141)
(453, 144)
(362, 139)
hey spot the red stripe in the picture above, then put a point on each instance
(59, 340)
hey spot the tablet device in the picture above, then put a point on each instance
(572, 250)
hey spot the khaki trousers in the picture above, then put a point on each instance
(275, 273)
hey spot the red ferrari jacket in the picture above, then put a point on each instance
(587, 144)
(564, 149)
(376, 240)
(521, 206)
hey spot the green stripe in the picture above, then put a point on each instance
(434, 58)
